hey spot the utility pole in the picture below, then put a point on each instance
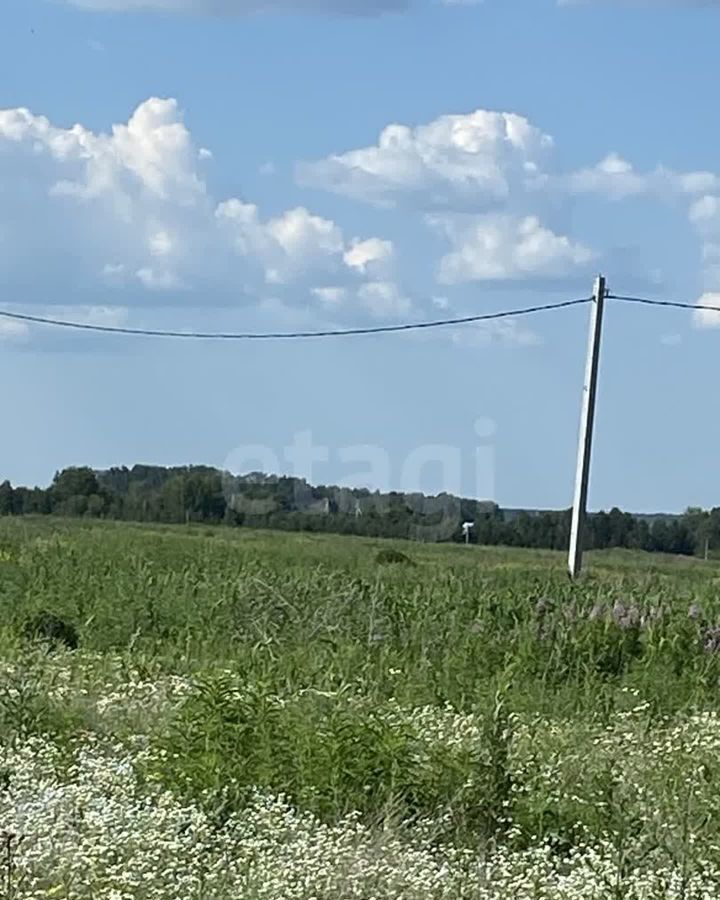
(587, 419)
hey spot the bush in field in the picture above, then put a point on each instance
(47, 627)
(336, 754)
(390, 556)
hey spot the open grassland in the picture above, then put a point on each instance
(197, 713)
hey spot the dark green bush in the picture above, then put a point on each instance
(47, 627)
(390, 556)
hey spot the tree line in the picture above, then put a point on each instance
(204, 494)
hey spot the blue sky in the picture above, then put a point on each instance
(268, 165)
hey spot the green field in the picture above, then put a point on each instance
(191, 712)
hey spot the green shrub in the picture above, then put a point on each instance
(390, 556)
(47, 627)
(334, 754)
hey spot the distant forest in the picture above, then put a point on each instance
(203, 494)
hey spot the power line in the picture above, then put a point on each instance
(347, 332)
(674, 304)
(284, 335)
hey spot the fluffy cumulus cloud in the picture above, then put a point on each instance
(372, 254)
(246, 7)
(705, 217)
(503, 247)
(615, 177)
(152, 154)
(482, 161)
(129, 211)
(475, 160)
(126, 216)
(289, 244)
(486, 181)
(121, 205)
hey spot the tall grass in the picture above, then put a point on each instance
(475, 697)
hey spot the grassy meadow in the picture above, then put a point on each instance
(190, 713)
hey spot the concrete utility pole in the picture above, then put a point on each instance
(587, 419)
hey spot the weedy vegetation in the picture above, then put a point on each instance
(191, 712)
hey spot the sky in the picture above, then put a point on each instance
(281, 165)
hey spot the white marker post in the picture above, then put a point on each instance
(582, 475)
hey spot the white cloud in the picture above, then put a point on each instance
(161, 243)
(293, 243)
(708, 318)
(153, 153)
(151, 277)
(246, 7)
(705, 211)
(612, 175)
(481, 160)
(476, 159)
(499, 167)
(384, 299)
(158, 279)
(503, 247)
(111, 202)
(301, 234)
(616, 177)
(330, 296)
(130, 210)
(371, 254)
(705, 217)
(113, 273)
